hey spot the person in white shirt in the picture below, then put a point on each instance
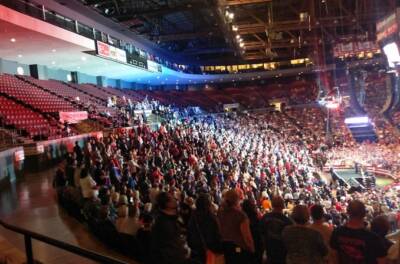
(87, 184)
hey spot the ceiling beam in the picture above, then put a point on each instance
(328, 22)
(160, 11)
(184, 36)
(207, 51)
(278, 44)
(241, 2)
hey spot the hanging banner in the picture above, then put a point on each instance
(73, 117)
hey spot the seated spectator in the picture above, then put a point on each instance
(303, 244)
(127, 221)
(353, 243)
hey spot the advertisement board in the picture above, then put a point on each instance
(111, 52)
(153, 66)
(387, 27)
(73, 117)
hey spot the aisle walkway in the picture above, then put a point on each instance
(30, 203)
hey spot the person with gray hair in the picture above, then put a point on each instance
(303, 244)
(353, 243)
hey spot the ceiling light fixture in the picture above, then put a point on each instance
(83, 58)
(235, 28)
(19, 56)
(53, 50)
(13, 40)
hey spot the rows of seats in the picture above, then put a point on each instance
(32, 95)
(63, 90)
(297, 92)
(16, 115)
(92, 90)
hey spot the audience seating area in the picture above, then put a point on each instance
(33, 96)
(17, 116)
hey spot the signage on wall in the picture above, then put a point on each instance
(73, 117)
(387, 27)
(111, 52)
(153, 66)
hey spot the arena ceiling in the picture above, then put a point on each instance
(211, 31)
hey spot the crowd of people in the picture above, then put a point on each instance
(242, 186)
(370, 154)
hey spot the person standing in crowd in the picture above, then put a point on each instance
(353, 243)
(303, 244)
(235, 230)
(168, 245)
(380, 225)
(319, 224)
(87, 184)
(250, 208)
(272, 225)
(78, 153)
(203, 231)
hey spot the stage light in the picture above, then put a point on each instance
(13, 40)
(53, 50)
(332, 105)
(19, 55)
(357, 120)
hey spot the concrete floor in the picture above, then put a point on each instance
(30, 203)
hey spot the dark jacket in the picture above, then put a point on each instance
(203, 233)
(168, 245)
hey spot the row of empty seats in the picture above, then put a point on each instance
(30, 94)
(13, 114)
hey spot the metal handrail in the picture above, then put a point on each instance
(29, 235)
